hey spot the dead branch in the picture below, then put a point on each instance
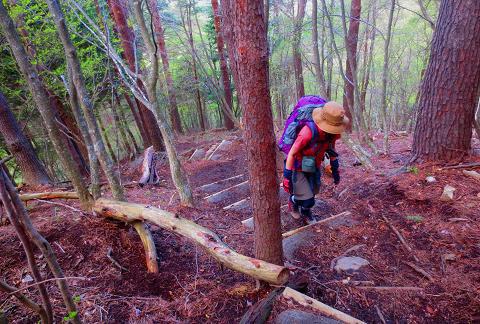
(25, 300)
(301, 229)
(379, 288)
(380, 315)
(221, 181)
(61, 205)
(400, 237)
(115, 262)
(419, 270)
(307, 301)
(461, 166)
(204, 237)
(49, 195)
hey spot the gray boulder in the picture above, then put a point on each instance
(300, 317)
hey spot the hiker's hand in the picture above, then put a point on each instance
(287, 180)
(335, 172)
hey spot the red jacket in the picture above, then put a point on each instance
(302, 146)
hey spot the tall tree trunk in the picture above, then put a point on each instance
(136, 115)
(76, 76)
(319, 73)
(179, 176)
(228, 122)
(40, 97)
(449, 90)
(119, 128)
(297, 53)
(198, 99)
(251, 49)
(117, 10)
(21, 148)
(160, 38)
(383, 96)
(351, 63)
(125, 125)
(101, 124)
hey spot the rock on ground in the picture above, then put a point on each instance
(301, 317)
(293, 243)
(350, 264)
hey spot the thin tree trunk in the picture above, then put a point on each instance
(178, 174)
(124, 124)
(119, 128)
(41, 99)
(351, 62)
(136, 116)
(228, 122)
(106, 139)
(319, 73)
(383, 96)
(21, 148)
(297, 53)
(251, 49)
(76, 75)
(27, 247)
(8, 191)
(160, 38)
(127, 38)
(450, 88)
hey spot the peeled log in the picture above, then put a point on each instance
(210, 241)
(50, 195)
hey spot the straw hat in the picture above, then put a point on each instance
(331, 118)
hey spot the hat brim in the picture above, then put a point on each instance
(330, 128)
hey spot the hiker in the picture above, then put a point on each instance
(310, 134)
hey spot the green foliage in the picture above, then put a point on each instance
(412, 169)
(70, 316)
(415, 218)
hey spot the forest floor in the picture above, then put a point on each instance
(192, 287)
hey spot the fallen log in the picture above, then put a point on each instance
(474, 174)
(49, 195)
(307, 301)
(301, 229)
(210, 241)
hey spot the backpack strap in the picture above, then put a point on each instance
(315, 135)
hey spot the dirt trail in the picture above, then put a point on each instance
(192, 287)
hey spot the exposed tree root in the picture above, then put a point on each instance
(210, 241)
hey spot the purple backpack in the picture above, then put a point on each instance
(300, 116)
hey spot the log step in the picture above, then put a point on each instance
(229, 193)
(220, 184)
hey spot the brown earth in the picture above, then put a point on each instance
(192, 287)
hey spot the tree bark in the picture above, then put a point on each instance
(351, 62)
(127, 38)
(251, 55)
(228, 122)
(449, 90)
(297, 53)
(160, 38)
(21, 148)
(40, 97)
(319, 72)
(125, 125)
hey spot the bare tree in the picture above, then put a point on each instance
(319, 71)
(296, 48)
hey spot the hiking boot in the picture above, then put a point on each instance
(293, 208)
(307, 216)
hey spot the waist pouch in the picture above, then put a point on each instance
(309, 164)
